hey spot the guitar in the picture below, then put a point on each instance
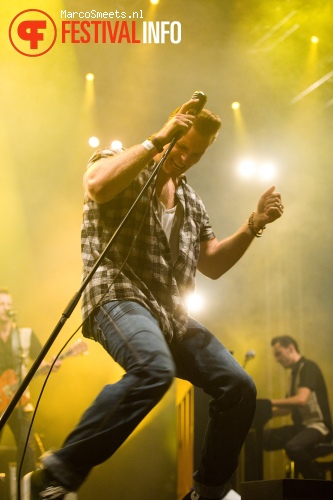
(9, 383)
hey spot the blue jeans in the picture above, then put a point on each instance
(131, 335)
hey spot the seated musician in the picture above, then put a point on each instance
(17, 347)
(307, 402)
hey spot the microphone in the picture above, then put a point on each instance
(249, 355)
(11, 313)
(195, 110)
(198, 107)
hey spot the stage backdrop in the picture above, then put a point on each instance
(146, 60)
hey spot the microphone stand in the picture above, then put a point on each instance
(75, 299)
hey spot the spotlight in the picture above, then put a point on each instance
(262, 170)
(116, 145)
(93, 142)
(90, 77)
(247, 168)
(314, 39)
(235, 105)
(194, 302)
(154, 2)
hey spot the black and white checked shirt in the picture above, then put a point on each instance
(148, 277)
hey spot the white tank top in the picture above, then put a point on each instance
(171, 220)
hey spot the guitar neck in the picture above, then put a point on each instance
(78, 348)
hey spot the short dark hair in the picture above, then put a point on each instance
(285, 341)
(4, 290)
(206, 123)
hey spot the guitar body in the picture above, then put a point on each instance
(8, 387)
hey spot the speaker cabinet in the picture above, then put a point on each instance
(287, 489)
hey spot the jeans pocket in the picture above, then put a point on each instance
(98, 333)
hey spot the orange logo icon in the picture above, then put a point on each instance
(32, 32)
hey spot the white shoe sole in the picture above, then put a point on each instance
(26, 489)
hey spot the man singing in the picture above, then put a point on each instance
(135, 305)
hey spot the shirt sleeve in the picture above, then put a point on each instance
(309, 376)
(206, 230)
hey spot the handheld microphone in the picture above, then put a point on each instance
(195, 110)
(198, 107)
(11, 313)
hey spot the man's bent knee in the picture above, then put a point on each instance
(244, 391)
(240, 393)
(294, 451)
(158, 378)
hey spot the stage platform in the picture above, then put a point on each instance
(287, 489)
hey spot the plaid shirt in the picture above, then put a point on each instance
(148, 277)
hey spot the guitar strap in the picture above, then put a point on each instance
(21, 342)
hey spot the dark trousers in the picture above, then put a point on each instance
(298, 441)
(19, 423)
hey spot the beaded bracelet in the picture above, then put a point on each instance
(256, 231)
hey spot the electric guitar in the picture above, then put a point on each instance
(9, 382)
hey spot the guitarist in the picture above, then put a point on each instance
(17, 347)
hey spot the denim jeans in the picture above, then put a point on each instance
(131, 335)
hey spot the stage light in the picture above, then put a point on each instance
(93, 142)
(90, 77)
(314, 39)
(194, 302)
(247, 168)
(116, 145)
(262, 170)
(154, 2)
(235, 105)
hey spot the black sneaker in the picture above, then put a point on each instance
(40, 485)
